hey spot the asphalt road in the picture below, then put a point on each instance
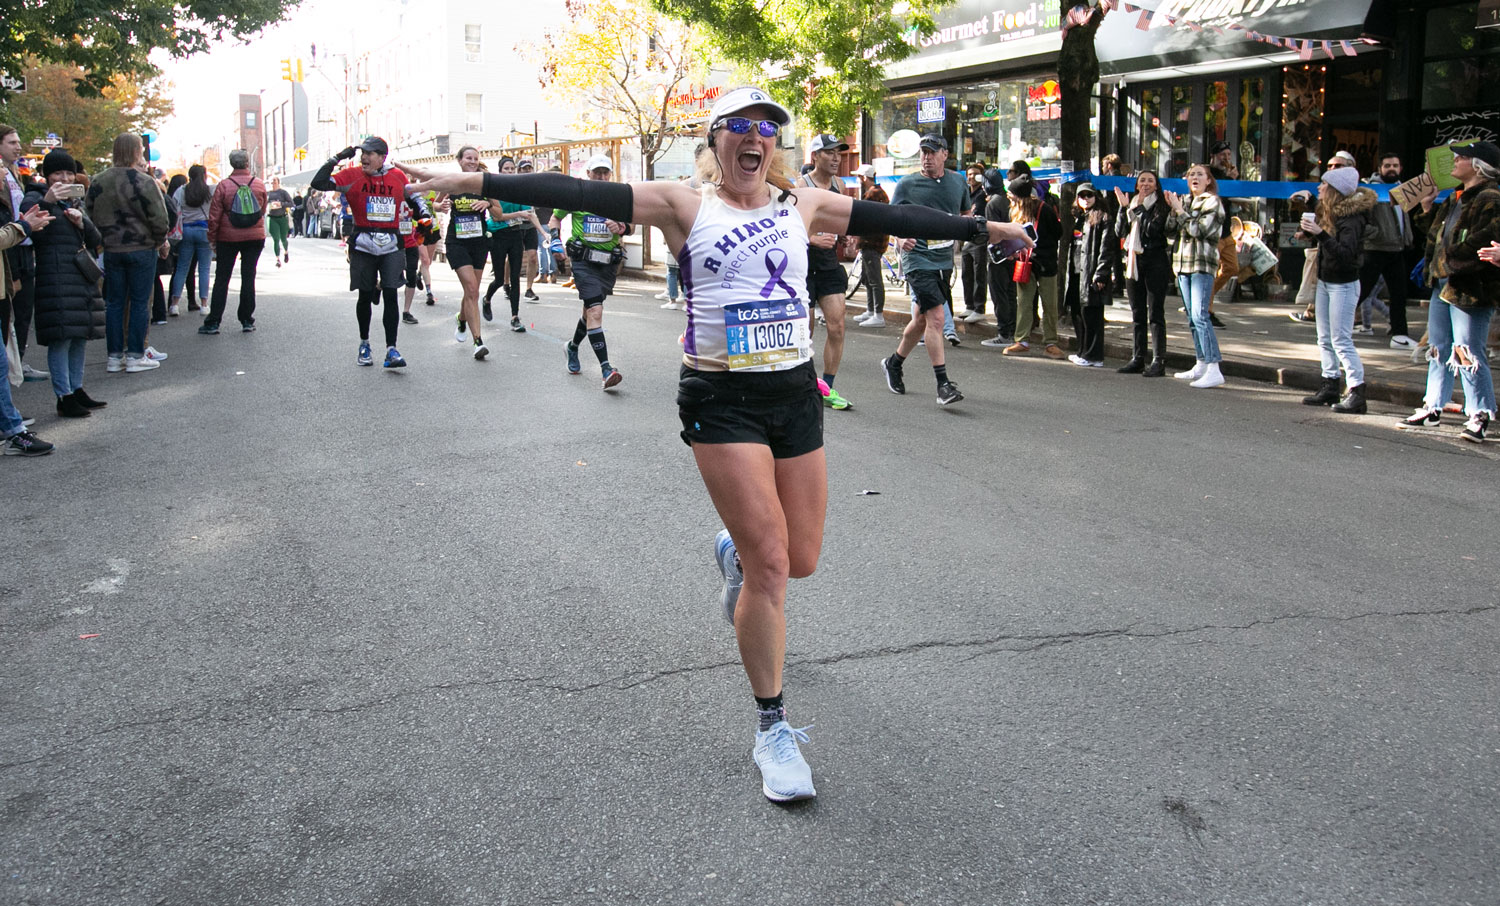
(450, 635)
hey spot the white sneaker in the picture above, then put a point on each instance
(33, 374)
(154, 355)
(1402, 341)
(480, 352)
(973, 317)
(671, 305)
(114, 363)
(863, 316)
(877, 321)
(1365, 331)
(132, 365)
(1077, 359)
(785, 774)
(1212, 377)
(173, 310)
(660, 295)
(1193, 375)
(993, 342)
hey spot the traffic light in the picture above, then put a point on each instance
(290, 72)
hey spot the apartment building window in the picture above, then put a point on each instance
(473, 47)
(473, 113)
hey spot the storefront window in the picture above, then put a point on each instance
(1151, 130)
(990, 123)
(1301, 121)
(1252, 127)
(1182, 130)
(1460, 77)
(1215, 114)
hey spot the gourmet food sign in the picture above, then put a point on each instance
(971, 23)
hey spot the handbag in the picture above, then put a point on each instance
(13, 355)
(87, 266)
(1021, 270)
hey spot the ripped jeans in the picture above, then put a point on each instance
(1457, 337)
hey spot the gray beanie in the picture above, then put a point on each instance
(1345, 179)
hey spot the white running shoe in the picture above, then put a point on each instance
(480, 352)
(154, 355)
(973, 317)
(133, 365)
(863, 316)
(877, 321)
(671, 305)
(173, 310)
(1077, 359)
(1402, 341)
(729, 565)
(114, 363)
(660, 295)
(1193, 375)
(1211, 377)
(785, 774)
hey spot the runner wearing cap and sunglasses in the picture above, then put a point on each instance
(827, 281)
(748, 398)
(377, 263)
(596, 254)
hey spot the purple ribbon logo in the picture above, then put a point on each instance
(777, 268)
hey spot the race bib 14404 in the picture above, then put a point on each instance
(762, 334)
(595, 229)
(380, 209)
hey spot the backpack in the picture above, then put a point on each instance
(245, 210)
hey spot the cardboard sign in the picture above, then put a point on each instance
(1419, 188)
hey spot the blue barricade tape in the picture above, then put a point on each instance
(1228, 188)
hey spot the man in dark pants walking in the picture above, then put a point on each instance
(236, 229)
(975, 256)
(1386, 242)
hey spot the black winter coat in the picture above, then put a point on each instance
(1093, 257)
(67, 307)
(1341, 252)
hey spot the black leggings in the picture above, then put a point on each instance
(1148, 297)
(390, 318)
(506, 248)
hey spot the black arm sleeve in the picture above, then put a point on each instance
(910, 221)
(614, 200)
(323, 179)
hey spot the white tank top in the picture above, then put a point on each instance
(745, 277)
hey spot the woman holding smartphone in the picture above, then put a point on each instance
(69, 308)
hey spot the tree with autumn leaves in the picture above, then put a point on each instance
(87, 126)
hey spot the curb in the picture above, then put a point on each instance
(1293, 378)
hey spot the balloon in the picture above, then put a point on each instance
(154, 155)
(149, 135)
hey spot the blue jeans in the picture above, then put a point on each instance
(1197, 292)
(673, 278)
(129, 278)
(1335, 304)
(10, 419)
(65, 361)
(194, 240)
(1450, 328)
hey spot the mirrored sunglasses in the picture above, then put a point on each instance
(740, 125)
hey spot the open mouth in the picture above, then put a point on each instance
(748, 160)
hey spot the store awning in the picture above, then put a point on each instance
(1152, 34)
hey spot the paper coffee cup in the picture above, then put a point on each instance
(1309, 217)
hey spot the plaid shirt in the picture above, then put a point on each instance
(1198, 229)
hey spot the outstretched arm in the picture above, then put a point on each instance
(832, 213)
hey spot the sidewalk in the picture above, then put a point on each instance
(1259, 343)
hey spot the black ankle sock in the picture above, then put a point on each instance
(770, 710)
(601, 349)
(828, 378)
(942, 374)
(580, 332)
(898, 357)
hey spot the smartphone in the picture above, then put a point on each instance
(1010, 247)
(71, 192)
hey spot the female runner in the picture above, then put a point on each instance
(748, 396)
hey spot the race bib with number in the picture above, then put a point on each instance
(380, 209)
(596, 229)
(276, 207)
(406, 226)
(759, 334)
(470, 227)
(938, 245)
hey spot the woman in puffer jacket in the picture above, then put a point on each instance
(1338, 226)
(1091, 275)
(69, 307)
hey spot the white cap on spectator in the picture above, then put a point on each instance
(1343, 157)
(867, 171)
(599, 162)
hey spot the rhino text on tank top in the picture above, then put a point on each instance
(744, 273)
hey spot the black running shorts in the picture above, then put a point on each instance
(468, 253)
(528, 239)
(779, 409)
(929, 289)
(833, 281)
(368, 272)
(593, 281)
(413, 265)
